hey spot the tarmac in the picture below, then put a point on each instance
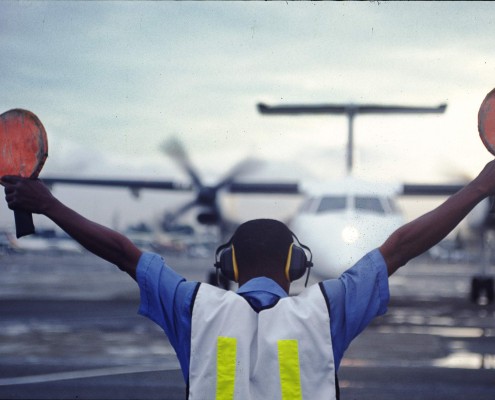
(69, 329)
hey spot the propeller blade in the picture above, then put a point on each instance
(171, 218)
(242, 168)
(206, 196)
(174, 148)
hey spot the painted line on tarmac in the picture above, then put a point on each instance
(92, 373)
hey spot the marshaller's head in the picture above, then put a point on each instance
(261, 248)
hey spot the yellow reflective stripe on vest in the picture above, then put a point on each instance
(226, 363)
(288, 360)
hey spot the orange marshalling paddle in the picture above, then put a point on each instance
(23, 151)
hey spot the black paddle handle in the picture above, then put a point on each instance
(23, 223)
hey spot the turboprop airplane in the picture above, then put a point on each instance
(340, 221)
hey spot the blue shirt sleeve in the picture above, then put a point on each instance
(166, 299)
(359, 295)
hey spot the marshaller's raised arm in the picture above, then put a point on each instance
(419, 235)
(33, 196)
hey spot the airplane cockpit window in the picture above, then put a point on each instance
(368, 203)
(332, 203)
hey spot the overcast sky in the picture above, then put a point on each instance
(112, 80)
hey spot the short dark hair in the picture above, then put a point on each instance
(262, 246)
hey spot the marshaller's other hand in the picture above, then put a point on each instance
(26, 194)
(485, 181)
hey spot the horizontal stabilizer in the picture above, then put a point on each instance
(348, 109)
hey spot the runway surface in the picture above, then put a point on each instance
(69, 329)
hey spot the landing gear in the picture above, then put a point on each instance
(482, 285)
(482, 290)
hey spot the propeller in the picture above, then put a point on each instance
(206, 198)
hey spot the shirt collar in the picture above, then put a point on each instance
(264, 284)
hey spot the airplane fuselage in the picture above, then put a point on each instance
(341, 225)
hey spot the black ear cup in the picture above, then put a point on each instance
(226, 263)
(298, 263)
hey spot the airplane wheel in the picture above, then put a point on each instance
(489, 290)
(475, 289)
(482, 286)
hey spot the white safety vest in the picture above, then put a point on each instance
(283, 352)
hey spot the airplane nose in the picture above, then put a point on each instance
(350, 234)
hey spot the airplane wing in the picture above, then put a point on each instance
(430, 189)
(408, 189)
(133, 184)
(265, 188)
(239, 187)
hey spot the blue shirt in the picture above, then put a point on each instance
(356, 297)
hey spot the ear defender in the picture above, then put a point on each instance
(227, 263)
(296, 264)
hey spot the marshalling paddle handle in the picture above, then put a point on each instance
(23, 223)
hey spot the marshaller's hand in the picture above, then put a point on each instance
(26, 194)
(485, 181)
(33, 196)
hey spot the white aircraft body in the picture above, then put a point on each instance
(343, 220)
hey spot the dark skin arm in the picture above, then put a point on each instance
(407, 242)
(33, 196)
(421, 234)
